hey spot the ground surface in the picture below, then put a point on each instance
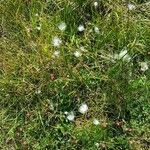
(57, 56)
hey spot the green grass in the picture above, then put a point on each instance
(37, 88)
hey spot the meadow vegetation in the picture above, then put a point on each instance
(74, 75)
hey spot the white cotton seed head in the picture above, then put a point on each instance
(144, 66)
(38, 27)
(97, 145)
(81, 28)
(56, 42)
(70, 116)
(95, 4)
(127, 58)
(36, 14)
(83, 108)
(77, 54)
(65, 112)
(96, 30)
(62, 26)
(96, 122)
(131, 7)
(123, 55)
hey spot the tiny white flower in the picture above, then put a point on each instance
(38, 27)
(83, 108)
(70, 116)
(144, 66)
(131, 7)
(96, 122)
(97, 145)
(56, 41)
(96, 30)
(77, 54)
(36, 14)
(127, 58)
(66, 112)
(62, 26)
(123, 55)
(95, 4)
(81, 28)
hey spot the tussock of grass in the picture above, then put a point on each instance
(40, 82)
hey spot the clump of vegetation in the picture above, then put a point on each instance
(75, 74)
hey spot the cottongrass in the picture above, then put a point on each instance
(97, 145)
(36, 15)
(70, 116)
(123, 55)
(83, 108)
(131, 7)
(96, 30)
(65, 112)
(144, 66)
(56, 41)
(81, 28)
(62, 26)
(38, 27)
(95, 3)
(96, 122)
(77, 54)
